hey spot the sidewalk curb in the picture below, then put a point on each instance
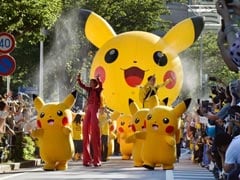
(5, 168)
(11, 166)
(30, 163)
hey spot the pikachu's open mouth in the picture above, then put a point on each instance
(50, 121)
(155, 126)
(134, 76)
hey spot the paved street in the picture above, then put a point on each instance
(114, 169)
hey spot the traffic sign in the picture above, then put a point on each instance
(7, 65)
(28, 90)
(7, 42)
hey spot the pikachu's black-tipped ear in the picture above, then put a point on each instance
(74, 93)
(70, 99)
(182, 107)
(133, 107)
(34, 96)
(187, 102)
(97, 29)
(130, 101)
(38, 102)
(183, 34)
(83, 16)
(165, 101)
(198, 24)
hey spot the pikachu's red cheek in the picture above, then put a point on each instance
(64, 121)
(39, 125)
(169, 129)
(99, 71)
(170, 75)
(120, 129)
(133, 128)
(111, 128)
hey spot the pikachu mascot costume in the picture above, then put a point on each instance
(54, 132)
(138, 125)
(131, 57)
(162, 132)
(124, 130)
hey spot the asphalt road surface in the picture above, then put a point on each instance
(114, 169)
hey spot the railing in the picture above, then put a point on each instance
(209, 12)
(181, 11)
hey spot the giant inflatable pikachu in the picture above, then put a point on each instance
(54, 132)
(162, 132)
(131, 57)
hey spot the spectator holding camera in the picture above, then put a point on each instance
(3, 116)
(234, 121)
(228, 38)
(19, 117)
(229, 148)
(218, 119)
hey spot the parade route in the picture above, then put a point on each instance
(115, 168)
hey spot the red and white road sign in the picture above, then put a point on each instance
(7, 42)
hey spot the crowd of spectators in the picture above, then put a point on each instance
(17, 117)
(213, 118)
(212, 131)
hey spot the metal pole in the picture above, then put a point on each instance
(41, 70)
(201, 66)
(8, 83)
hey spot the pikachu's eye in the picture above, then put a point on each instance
(42, 114)
(149, 116)
(59, 113)
(165, 120)
(111, 55)
(160, 58)
(137, 120)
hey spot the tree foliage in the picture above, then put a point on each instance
(25, 18)
(205, 58)
(128, 15)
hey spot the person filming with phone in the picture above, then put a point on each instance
(228, 38)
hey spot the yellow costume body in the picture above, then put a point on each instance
(138, 125)
(162, 132)
(54, 132)
(123, 131)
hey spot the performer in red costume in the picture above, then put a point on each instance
(91, 131)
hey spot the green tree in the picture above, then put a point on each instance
(127, 15)
(204, 55)
(24, 19)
